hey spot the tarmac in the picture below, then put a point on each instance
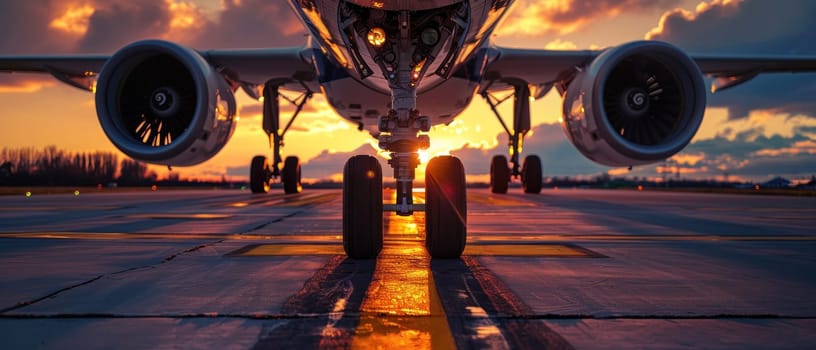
(566, 269)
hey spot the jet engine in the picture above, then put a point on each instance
(634, 104)
(159, 102)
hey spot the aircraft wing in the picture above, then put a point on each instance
(75, 70)
(544, 68)
(250, 68)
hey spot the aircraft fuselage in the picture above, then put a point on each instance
(364, 42)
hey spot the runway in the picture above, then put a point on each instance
(566, 269)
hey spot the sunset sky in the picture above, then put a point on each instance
(764, 128)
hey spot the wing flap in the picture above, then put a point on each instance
(78, 71)
(73, 65)
(292, 67)
(728, 72)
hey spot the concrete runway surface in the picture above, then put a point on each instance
(565, 269)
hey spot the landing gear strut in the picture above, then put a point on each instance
(400, 134)
(530, 171)
(261, 172)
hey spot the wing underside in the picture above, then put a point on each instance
(250, 69)
(545, 68)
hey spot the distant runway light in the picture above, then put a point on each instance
(640, 187)
(28, 194)
(154, 187)
(76, 193)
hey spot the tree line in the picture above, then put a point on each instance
(51, 166)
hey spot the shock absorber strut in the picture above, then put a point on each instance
(399, 129)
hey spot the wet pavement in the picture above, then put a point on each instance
(565, 269)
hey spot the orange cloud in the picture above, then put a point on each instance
(688, 16)
(24, 86)
(74, 20)
(541, 17)
(184, 15)
(559, 44)
(677, 170)
(688, 159)
(618, 171)
(801, 147)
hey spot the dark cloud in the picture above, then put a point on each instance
(114, 24)
(25, 27)
(742, 145)
(252, 24)
(807, 130)
(326, 164)
(751, 27)
(286, 109)
(558, 156)
(537, 17)
(745, 154)
(792, 166)
(582, 10)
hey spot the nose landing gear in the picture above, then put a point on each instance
(445, 210)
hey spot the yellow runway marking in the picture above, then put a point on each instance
(182, 216)
(476, 236)
(743, 210)
(501, 201)
(537, 250)
(110, 235)
(121, 235)
(291, 249)
(407, 249)
(67, 208)
(300, 201)
(402, 309)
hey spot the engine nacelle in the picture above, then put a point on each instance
(159, 102)
(635, 104)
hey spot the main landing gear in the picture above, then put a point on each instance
(530, 171)
(261, 172)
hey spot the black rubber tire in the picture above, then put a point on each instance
(362, 207)
(290, 175)
(445, 208)
(499, 174)
(531, 174)
(259, 175)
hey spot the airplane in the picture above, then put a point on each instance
(396, 68)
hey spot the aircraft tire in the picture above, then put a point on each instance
(531, 174)
(499, 174)
(445, 208)
(290, 175)
(362, 207)
(258, 175)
